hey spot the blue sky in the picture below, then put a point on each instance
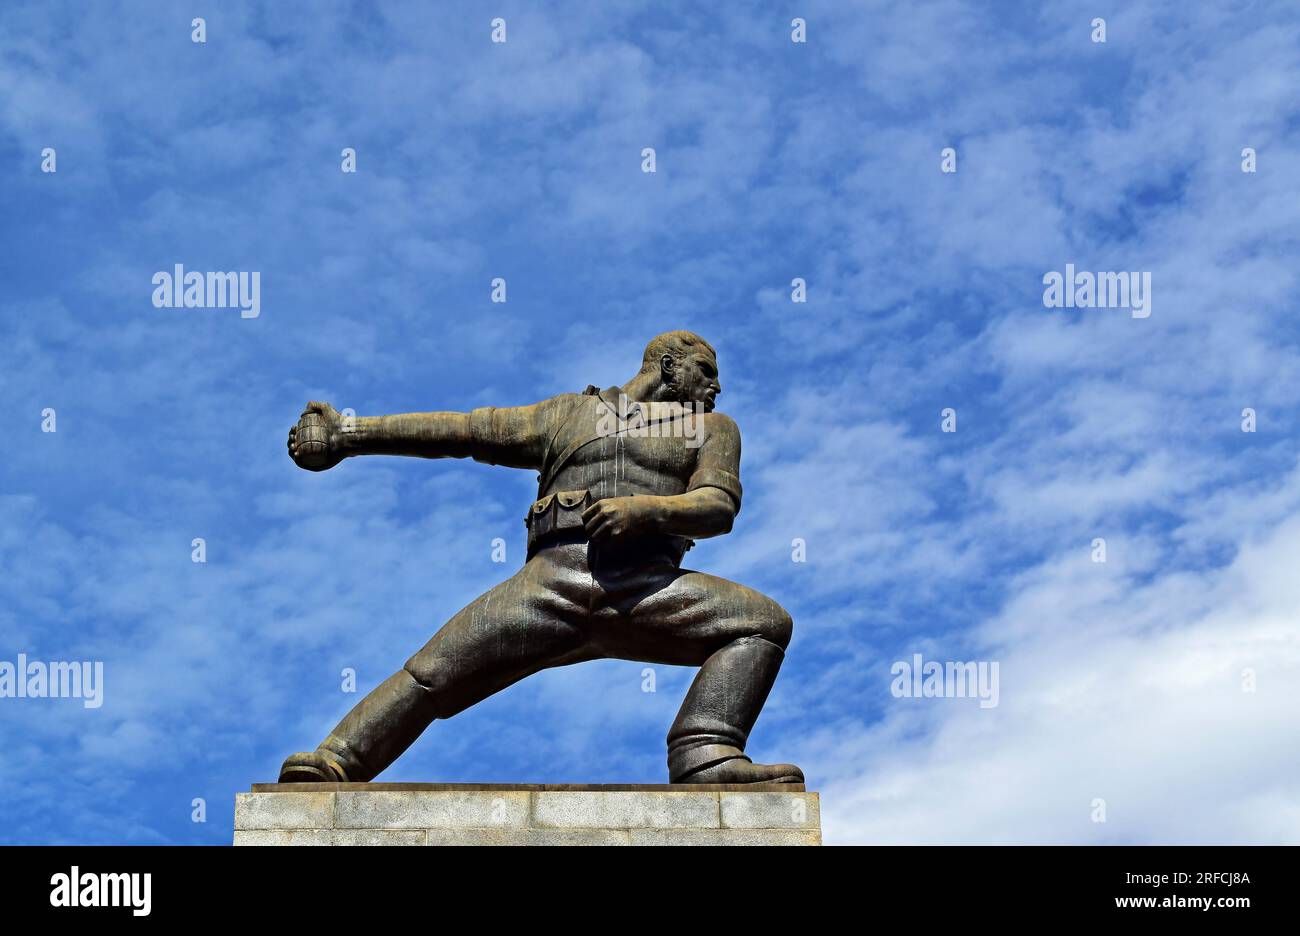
(1120, 681)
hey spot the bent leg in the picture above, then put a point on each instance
(527, 623)
(532, 621)
(706, 743)
(682, 617)
(738, 636)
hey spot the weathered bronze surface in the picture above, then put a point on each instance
(629, 477)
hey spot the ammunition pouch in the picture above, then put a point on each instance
(556, 516)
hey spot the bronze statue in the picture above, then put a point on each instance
(628, 478)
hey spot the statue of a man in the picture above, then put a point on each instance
(628, 478)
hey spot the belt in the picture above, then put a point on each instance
(557, 518)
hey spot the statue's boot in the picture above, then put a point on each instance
(706, 743)
(369, 738)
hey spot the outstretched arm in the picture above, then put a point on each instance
(513, 436)
(423, 435)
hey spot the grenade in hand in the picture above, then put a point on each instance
(313, 439)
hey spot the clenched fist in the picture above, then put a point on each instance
(617, 517)
(316, 442)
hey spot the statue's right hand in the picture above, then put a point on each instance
(316, 442)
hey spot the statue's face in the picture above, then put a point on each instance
(696, 379)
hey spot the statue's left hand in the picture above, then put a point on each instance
(617, 517)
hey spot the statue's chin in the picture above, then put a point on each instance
(705, 404)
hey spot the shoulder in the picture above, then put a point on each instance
(719, 435)
(561, 403)
(562, 400)
(565, 409)
(719, 424)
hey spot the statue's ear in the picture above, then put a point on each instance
(666, 365)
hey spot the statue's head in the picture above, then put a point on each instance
(686, 366)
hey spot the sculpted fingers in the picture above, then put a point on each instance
(593, 526)
(596, 520)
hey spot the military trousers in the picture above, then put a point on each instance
(575, 601)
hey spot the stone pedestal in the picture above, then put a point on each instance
(526, 814)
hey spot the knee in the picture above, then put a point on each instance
(774, 623)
